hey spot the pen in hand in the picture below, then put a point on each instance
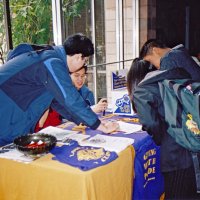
(104, 112)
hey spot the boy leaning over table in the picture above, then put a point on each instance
(52, 118)
(32, 80)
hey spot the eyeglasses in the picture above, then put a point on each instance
(86, 60)
(77, 76)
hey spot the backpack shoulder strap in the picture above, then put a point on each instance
(20, 49)
(25, 47)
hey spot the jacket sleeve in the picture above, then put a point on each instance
(87, 95)
(148, 106)
(181, 58)
(63, 112)
(59, 84)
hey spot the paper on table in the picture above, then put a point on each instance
(78, 137)
(62, 134)
(129, 128)
(14, 154)
(109, 143)
(59, 133)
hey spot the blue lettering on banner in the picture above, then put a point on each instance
(147, 171)
(149, 165)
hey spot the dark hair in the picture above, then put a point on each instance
(149, 44)
(138, 70)
(78, 43)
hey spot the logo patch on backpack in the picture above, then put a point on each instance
(192, 125)
(182, 111)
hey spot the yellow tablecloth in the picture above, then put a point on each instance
(47, 179)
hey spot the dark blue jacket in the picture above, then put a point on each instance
(29, 83)
(87, 95)
(179, 57)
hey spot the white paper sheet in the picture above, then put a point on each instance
(78, 137)
(109, 143)
(129, 128)
(59, 133)
(14, 154)
(62, 135)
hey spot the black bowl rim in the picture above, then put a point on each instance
(46, 147)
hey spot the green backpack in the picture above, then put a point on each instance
(181, 99)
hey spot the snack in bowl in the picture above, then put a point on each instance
(35, 145)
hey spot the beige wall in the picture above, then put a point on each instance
(110, 42)
(147, 17)
(111, 38)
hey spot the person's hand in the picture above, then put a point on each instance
(100, 106)
(108, 126)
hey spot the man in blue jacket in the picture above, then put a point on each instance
(32, 80)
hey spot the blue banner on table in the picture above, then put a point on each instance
(148, 183)
(83, 157)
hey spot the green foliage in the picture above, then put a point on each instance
(31, 21)
(1, 17)
(73, 8)
(2, 34)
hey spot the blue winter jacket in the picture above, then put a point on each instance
(179, 57)
(87, 95)
(29, 83)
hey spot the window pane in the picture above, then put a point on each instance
(100, 32)
(3, 47)
(77, 17)
(111, 42)
(128, 32)
(31, 21)
(100, 48)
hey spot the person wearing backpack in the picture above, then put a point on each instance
(35, 77)
(176, 161)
